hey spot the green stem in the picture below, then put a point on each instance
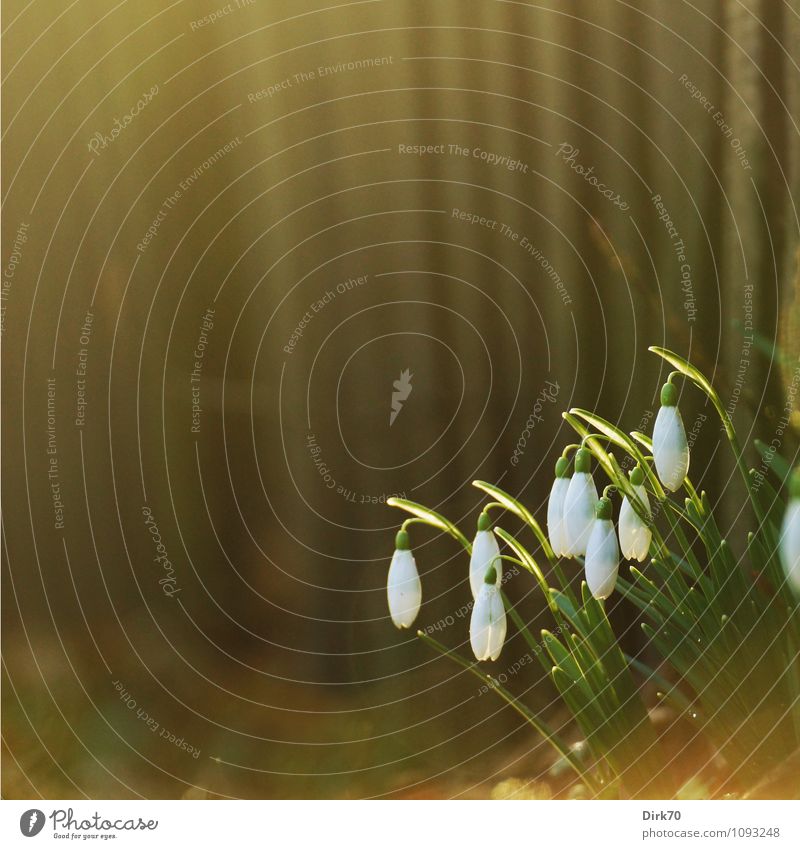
(432, 518)
(541, 727)
(520, 625)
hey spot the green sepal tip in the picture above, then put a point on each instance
(669, 395)
(562, 467)
(583, 460)
(603, 508)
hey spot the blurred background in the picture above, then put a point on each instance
(266, 264)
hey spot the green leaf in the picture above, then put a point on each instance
(524, 555)
(591, 721)
(430, 517)
(552, 738)
(669, 691)
(592, 443)
(521, 626)
(774, 461)
(686, 368)
(772, 503)
(520, 510)
(569, 610)
(529, 562)
(614, 434)
(642, 599)
(702, 382)
(643, 439)
(608, 462)
(563, 658)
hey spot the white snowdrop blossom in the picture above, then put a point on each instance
(485, 553)
(789, 546)
(670, 447)
(555, 508)
(579, 506)
(403, 587)
(487, 626)
(602, 553)
(634, 533)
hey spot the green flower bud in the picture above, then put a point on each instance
(603, 508)
(669, 395)
(583, 460)
(562, 467)
(637, 476)
(401, 541)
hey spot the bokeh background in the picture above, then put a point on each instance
(222, 246)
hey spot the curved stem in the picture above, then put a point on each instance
(514, 560)
(432, 518)
(596, 436)
(408, 522)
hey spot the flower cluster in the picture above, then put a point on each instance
(487, 627)
(723, 628)
(579, 525)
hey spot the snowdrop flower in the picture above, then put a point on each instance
(670, 448)
(487, 627)
(790, 534)
(634, 534)
(403, 587)
(579, 504)
(602, 553)
(485, 553)
(555, 508)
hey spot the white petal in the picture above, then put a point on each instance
(485, 553)
(403, 589)
(555, 515)
(480, 622)
(602, 559)
(634, 534)
(579, 506)
(497, 629)
(670, 448)
(790, 544)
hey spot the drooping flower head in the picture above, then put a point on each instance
(579, 505)
(634, 533)
(403, 587)
(555, 508)
(670, 447)
(487, 626)
(485, 553)
(602, 553)
(790, 534)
